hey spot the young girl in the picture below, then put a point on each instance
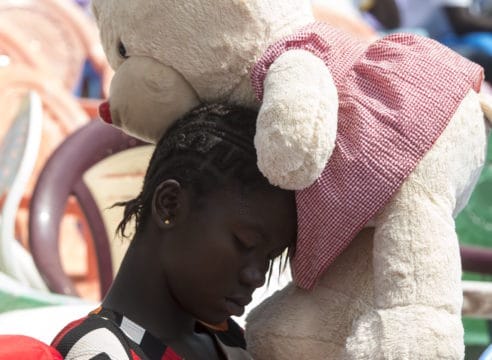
(208, 226)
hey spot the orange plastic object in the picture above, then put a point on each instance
(62, 115)
(14, 51)
(91, 107)
(60, 32)
(61, 107)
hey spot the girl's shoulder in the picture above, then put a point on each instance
(104, 334)
(94, 336)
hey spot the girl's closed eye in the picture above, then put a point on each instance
(244, 243)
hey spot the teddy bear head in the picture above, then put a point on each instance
(168, 56)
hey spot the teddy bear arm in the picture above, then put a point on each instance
(417, 289)
(297, 122)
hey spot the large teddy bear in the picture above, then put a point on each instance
(390, 137)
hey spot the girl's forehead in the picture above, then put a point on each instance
(266, 210)
(247, 199)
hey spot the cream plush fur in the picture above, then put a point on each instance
(195, 50)
(395, 293)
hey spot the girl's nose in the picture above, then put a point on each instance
(252, 276)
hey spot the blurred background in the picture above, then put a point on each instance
(61, 169)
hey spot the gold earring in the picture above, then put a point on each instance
(167, 222)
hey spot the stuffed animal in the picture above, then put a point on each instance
(165, 55)
(390, 135)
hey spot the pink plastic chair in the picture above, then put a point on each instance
(60, 178)
(476, 259)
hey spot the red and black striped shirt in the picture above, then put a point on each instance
(105, 334)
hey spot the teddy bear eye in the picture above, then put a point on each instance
(122, 50)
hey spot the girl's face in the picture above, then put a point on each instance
(216, 254)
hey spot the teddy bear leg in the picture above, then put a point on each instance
(417, 288)
(299, 324)
(416, 260)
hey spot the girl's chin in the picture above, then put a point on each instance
(215, 321)
(233, 308)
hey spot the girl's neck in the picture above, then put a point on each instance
(139, 292)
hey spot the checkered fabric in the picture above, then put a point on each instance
(396, 96)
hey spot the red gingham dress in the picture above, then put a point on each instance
(396, 96)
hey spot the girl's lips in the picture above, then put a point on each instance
(235, 305)
(105, 113)
(234, 308)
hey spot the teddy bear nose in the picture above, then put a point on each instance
(105, 113)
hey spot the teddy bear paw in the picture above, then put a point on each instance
(287, 168)
(291, 156)
(406, 333)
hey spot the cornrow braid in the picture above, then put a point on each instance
(207, 147)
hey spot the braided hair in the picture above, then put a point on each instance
(209, 146)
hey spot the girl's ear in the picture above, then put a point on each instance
(167, 203)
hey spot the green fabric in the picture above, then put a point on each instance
(16, 296)
(476, 332)
(474, 224)
(474, 227)
(9, 302)
(473, 352)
